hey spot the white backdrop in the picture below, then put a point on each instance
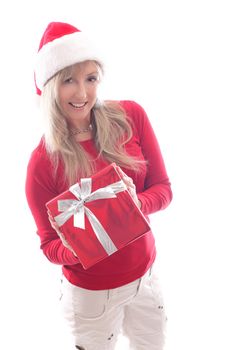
(171, 57)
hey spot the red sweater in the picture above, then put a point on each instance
(153, 189)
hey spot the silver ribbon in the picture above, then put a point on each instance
(77, 208)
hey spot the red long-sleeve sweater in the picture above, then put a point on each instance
(153, 189)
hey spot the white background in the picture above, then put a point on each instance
(171, 57)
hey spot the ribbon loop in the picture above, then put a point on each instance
(77, 209)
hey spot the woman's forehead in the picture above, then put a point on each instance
(85, 66)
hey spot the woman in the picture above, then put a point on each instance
(82, 136)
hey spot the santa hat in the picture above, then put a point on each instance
(61, 45)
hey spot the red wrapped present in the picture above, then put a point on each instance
(98, 216)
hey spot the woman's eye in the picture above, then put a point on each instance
(68, 80)
(92, 78)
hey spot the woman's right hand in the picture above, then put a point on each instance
(60, 234)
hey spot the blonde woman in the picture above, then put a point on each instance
(82, 136)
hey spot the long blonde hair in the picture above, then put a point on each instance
(111, 131)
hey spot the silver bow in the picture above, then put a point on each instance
(77, 208)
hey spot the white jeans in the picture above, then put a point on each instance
(97, 317)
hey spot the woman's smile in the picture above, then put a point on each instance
(78, 105)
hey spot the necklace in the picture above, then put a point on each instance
(81, 131)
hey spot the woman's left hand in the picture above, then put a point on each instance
(130, 187)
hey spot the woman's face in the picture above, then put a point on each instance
(77, 93)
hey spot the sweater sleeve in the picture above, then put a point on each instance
(40, 189)
(157, 193)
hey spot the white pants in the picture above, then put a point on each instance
(97, 317)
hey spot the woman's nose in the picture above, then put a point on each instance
(80, 92)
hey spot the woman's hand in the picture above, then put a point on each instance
(60, 234)
(130, 187)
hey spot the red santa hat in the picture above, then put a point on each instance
(61, 45)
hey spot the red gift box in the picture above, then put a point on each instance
(98, 216)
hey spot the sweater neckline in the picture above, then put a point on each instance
(86, 141)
